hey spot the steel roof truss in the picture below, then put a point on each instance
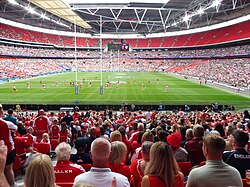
(115, 15)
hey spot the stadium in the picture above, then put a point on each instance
(111, 51)
(172, 74)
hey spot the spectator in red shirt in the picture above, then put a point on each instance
(134, 136)
(137, 143)
(117, 158)
(194, 146)
(55, 129)
(138, 166)
(41, 124)
(30, 136)
(24, 149)
(7, 128)
(65, 171)
(125, 140)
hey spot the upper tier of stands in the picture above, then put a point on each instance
(231, 33)
(69, 53)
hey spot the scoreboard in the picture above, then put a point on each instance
(118, 47)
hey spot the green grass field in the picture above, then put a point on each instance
(129, 90)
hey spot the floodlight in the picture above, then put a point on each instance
(13, 2)
(200, 11)
(216, 3)
(30, 10)
(186, 18)
(43, 16)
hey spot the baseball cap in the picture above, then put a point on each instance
(174, 139)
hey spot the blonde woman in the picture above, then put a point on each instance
(40, 172)
(115, 136)
(147, 136)
(117, 158)
(162, 169)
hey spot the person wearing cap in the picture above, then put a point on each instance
(65, 171)
(41, 124)
(7, 128)
(174, 140)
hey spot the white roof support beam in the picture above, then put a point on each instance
(113, 13)
(137, 15)
(234, 3)
(163, 23)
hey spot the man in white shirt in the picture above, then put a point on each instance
(215, 173)
(99, 175)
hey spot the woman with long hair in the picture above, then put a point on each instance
(40, 172)
(117, 159)
(162, 169)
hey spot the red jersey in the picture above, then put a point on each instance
(66, 171)
(156, 181)
(31, 138)
(135, 169)
(41, 125)
(128, 145)
(4, 135)
(194, 149)
(55, 131)
(6, 128)
(21, 143)
(120, 168)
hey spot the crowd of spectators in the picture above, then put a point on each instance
(145, 148)
(226, 34)
(66, 52)
(234, 72)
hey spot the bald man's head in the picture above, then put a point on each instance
(100, 150)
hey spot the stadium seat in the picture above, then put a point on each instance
(53, 143)
(202, 163)
(185, 167)
(43, 148)
(63, 139)
(244, 182)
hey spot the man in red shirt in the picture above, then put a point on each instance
(7, 128)
(65, 171)
(41, 124)
(24, 149)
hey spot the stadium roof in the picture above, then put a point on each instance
(118, 17)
